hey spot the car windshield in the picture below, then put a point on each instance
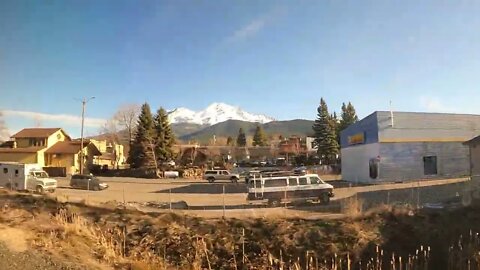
(40, 174)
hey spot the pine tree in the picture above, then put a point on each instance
(259, 138)
(230, 141)
(241, 138)
(348, 117)
(141, 152)
(325, 135)
(164, 137)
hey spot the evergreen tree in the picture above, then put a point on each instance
(348, 117)
(325, 135)
(164, 137)
(241, 138)
(230, 141)
(259, 138)
(335, 122)
(141, 151)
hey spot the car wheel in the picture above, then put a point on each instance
(324, 199)
(96, 188)
(234, 179)
(211, 179)
(39, 190)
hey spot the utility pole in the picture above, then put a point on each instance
(84, 103)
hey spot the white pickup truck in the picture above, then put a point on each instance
(214, 175)
(20, 176)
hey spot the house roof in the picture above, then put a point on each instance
(35, 132)
(70, 147)
(32, 149)
(473, 141)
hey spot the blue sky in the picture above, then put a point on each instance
(272, 57)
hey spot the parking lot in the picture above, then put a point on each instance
(199, 193)
(194, 193)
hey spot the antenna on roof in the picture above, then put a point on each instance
(391, 114)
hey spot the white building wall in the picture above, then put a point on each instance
(355, 162)
(309, 143)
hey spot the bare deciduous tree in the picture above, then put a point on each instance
(110, 130)
(3, 129)
(126, 117)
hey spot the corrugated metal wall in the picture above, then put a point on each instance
(427, 126)
(355, 162)
(403, 145)
(404, 161)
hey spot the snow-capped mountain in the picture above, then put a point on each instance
(215, 113)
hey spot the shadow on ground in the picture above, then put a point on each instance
(206, 188)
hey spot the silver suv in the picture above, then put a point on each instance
(214, 175)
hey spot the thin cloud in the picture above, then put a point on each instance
(255, 26)
(433, 104)
(61, 119)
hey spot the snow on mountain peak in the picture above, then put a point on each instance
(215, 113)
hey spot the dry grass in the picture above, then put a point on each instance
(352, 206)
(133, 240)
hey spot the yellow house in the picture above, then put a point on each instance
(29, 145)
(49, 147)
(112, 155)
(66, 155)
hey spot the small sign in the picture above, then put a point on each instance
(358, 138)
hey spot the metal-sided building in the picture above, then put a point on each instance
(399, 146)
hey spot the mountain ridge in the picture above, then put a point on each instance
(300, 127)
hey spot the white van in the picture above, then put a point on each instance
(289, 188)
(20, 176)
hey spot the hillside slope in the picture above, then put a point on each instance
(230, 128)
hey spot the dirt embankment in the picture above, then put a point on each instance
(75, 235)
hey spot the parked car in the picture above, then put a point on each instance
(300, 170)
(88, 182)
(214, 175)
(278, 189)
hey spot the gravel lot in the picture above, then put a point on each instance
(206, 200)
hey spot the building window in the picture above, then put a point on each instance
(5, 170)
(373, 168)
(430, 165)
(16, 172)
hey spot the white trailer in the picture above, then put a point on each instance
(20, 176)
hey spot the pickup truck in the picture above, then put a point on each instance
(214, 175)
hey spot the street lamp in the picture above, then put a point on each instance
(84, 103)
